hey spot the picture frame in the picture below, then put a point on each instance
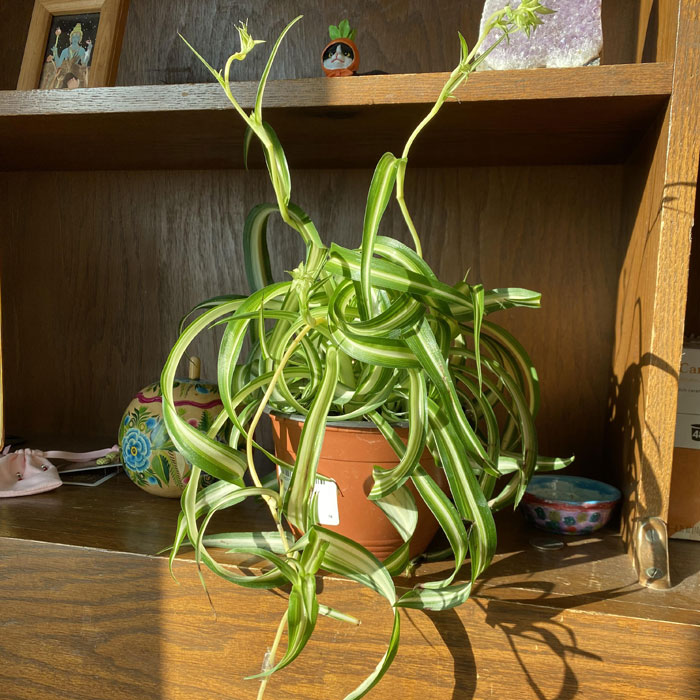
(73, 43)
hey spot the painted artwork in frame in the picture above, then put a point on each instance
(69, 52)
(73, 44)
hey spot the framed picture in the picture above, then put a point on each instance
(73, 44)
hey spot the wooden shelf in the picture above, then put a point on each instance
(80, 564)
(594, 572)
(117, 516)
(552, 116)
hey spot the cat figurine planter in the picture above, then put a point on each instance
(340, 57)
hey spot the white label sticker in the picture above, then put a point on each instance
(687, 431)
(327, 502)
(327, 498)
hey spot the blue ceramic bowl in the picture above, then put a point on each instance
(569, 505)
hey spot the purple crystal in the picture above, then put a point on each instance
(573, 36)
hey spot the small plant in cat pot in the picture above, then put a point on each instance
(148, 454)
(340, 56)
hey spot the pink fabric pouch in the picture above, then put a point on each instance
(26, 472)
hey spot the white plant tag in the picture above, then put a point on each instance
(327, 497)
(327, 502)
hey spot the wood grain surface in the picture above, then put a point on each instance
(15, 18)
(117, 258)
(659, 201)
(543, 84)
(658, 24)
(393, 36)
(89, 624)
(591, 572)
(100, 617)
(560, 116)
(37, 36)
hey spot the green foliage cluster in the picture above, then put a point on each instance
(368, 334)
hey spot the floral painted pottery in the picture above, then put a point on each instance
(340, 56)
(569, 505)
(344, 479)
(148, 454)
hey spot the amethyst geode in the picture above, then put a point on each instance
(572, 36)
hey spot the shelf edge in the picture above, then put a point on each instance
(635, 80)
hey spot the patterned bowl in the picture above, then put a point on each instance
(569, 505)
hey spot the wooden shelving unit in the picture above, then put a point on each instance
(122, 209)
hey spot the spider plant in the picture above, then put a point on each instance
(368, 334)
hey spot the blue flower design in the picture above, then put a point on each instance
(127, 418)
(568, 520)
(595, 517)
(151, 423)
(136, 450)
(152, 480)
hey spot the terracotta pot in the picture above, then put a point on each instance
(347, 457)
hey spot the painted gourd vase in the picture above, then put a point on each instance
(148, 454)
(340, 56)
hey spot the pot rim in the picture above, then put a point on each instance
(533, 501)
(609, 495)
(330, 423)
